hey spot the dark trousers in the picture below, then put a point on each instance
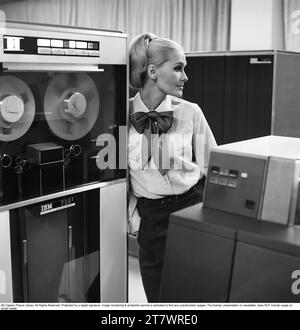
(152, 234)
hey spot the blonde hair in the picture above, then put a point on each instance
(146, 49)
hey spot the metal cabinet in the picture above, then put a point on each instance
(197, 265)
(63, 165)
(215, 256)
(245, 95)
(68, 248)
(206, 87)
(55, 250)
(263, 268)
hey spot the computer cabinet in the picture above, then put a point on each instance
(215, 256)
(46, 244)
(55, 250)
(263, 271)
(66, 247)
(246, 94)
(197, 267)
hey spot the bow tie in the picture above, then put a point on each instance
(147, 120)
(152, 124)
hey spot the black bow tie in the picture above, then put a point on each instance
(147, 120)
(145, 123)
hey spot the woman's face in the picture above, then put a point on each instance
(170, 76)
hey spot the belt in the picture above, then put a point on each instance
(174, 198)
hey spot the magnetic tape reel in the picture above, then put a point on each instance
(71, 105)
(17, 108)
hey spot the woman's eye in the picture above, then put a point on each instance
(178, 68)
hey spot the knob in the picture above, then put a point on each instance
(75, 105)
(19, 169)
(5, 160)
(75, 150)
(11, 108)
(67, 153)
(18, 160)
(67, 162)
(26, 165)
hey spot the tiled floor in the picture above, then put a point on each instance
(136, 292)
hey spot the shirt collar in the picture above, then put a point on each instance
(139, 105)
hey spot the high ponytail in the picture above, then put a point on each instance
(147, 49)
(138, 59)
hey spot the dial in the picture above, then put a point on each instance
(5, 160)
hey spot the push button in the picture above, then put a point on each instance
(232, 183)
(250, 204)
(43, 50)
(215, 169)
(213, 180)
(71, 52)
(58, 51)
(94, 53)
(224, 171)
(233, 173)
(82, 52)
(222, 181)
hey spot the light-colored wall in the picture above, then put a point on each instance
(256, 24)
(196, 24)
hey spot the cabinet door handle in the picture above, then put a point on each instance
(70, 233)
(25, 252)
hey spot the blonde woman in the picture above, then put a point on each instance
(169, 146)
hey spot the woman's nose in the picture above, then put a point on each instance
(184, 77)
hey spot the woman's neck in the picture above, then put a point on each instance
(151, 97)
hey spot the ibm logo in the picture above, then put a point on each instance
(46, 207)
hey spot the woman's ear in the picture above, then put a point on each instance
(152, 71)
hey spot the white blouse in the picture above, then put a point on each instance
(190, 133)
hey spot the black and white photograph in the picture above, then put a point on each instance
(149, 157)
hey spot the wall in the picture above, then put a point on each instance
(196, 24)
(256, 24)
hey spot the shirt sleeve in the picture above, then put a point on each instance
(134, 218)
(203, 139)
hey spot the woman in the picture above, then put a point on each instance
(169, 145)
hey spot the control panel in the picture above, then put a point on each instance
(258, 178)
(234, 183)
(46, 46)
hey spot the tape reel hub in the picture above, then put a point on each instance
(75, 105)
(11, 108)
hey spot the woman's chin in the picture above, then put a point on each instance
(177, 93)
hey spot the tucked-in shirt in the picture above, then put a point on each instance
(187, 144)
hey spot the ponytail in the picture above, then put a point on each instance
(147, 49)
(138, 59)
